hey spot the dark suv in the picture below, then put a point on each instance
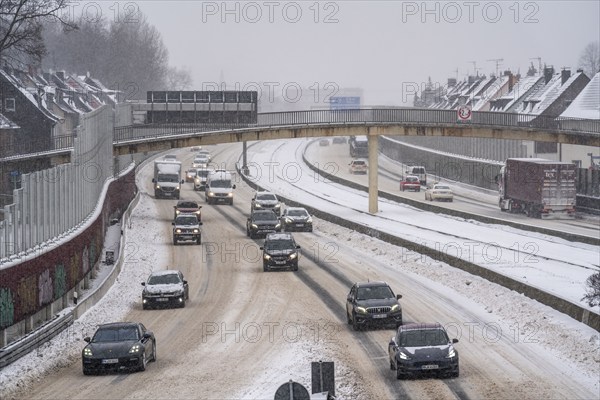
(373, 303)
(186, 227)
(262, 222)
(423, 348)
(280, 251)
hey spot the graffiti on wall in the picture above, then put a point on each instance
(74, 265)
(7, 308)
(60, 281)
(86, 260)
(27, 294)
(45, 288)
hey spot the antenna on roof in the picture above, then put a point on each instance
(498, 62)
(475, 69)
(539, 63)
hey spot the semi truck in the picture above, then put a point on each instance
(167, 179)
(537, 187)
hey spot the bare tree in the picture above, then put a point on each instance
(21, 28)
(592, 296)
(589, 60)
(179, 79)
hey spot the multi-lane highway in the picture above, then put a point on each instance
(244, 332)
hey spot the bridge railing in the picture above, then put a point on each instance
(408, 116)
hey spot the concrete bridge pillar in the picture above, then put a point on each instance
(373, 144)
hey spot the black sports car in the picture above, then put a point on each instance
(423, 348)
(119, 346)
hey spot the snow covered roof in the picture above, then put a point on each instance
(546, 95)
(6, 123)
(27, 92)
(587, 104)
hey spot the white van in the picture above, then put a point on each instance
(219, 187)
(419, 171)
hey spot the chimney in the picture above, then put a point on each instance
(548, 72)
(580, 70)
(565, 74)
(451, 82)
(61, 75)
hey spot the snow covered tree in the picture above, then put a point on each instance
(21, 39)
(592, 296)
(589, 60)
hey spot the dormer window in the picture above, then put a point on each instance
(9, 104)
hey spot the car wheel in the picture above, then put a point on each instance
(199, 240)
(392, 365)
(355, 326)
(143, 362)
(456, 373)
(175, 241)
(87, 371)
(265, 268)
(402, 188)
(418, 190)
(252, 235)
(144, 306)
(349, 320)
(399, 374)
(182, 304)
(295, 267)
(153, 351)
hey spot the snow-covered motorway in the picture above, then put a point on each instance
(246, 332)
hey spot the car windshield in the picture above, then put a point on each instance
(187, 204)
(221, 183)
(359, 163)
(168, 178)
(191, 172)
(423, 337)
(267, 197)
(165, 279)
(442, 187)
(279, 244)
(268, 216)
(203, 172)
(373, 293)
(412, 179)
(418, 170)
(186, 220)
(297, 213)
(116, 334)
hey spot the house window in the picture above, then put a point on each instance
(9, 104)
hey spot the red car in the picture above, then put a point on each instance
(410, 182)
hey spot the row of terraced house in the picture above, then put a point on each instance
(40, 110)
(547, 93)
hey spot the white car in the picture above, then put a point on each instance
(439, 192)
(358, 167)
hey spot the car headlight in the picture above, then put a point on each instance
(293, 255)
(197, 212)
(177, 187)
(395, 307)
(277, 206)
(177, 211)
(266, 256)
(361, 310)
(178, 230)
(256, 205)
(87, 352)
(196, 230)
(277, 225)
(288, 220)
(229, 194)
(451, 352)
(136, 348)
(157, 186)
(255, 226)
(309, 220)
(403, 356)
(211, 194)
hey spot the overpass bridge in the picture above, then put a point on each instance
(323, 123)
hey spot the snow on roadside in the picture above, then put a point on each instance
(141, 257)
(569, 340)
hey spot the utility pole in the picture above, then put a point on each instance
(498, 62)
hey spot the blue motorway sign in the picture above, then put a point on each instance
(344, 103)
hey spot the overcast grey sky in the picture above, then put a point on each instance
(383, 47)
